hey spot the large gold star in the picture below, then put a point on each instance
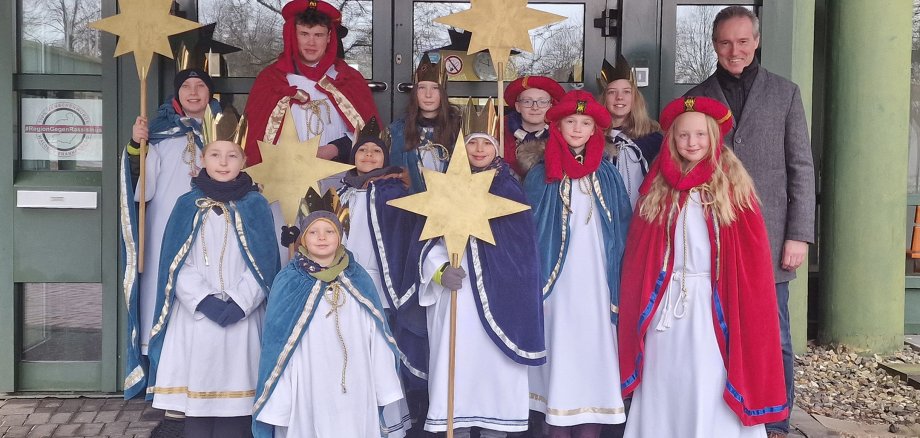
(499, 26)
(289, 168)
(144, 27)
(457, 204)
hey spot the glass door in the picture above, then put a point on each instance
(687, 54)
(570, 51)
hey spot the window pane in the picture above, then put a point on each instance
(255, 27)
(913, 170)
(559, 47)
(55, 38)
(62, 322)
(61, 130)
(695, 58)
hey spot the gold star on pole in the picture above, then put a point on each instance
(457, 204)
(144, 27)
(289, 168)
(499, 26)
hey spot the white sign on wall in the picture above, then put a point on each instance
(61, 129)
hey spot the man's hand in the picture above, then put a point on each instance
(327, 152)
(793, 254)
(139, 131)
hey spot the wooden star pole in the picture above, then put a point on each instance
(143, 27)
(492, 31)
(457, 205)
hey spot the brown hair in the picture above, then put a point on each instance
(446, 123)
(638, 123)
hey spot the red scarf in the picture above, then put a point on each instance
(560, 162)
(745, 319)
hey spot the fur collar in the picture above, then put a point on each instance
(529, 153)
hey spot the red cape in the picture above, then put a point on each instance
(745, 316)
(271, 86)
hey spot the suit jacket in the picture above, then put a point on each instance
(771, 140)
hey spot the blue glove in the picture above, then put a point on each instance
(232, 313)
(212, 307)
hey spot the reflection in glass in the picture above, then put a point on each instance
(60, 130)
(55, 39)
(558, 48)
(61, 322)
(255, 27)
(695, 58)
(913, 169)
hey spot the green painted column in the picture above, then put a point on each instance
(788, 40)
(864, 176)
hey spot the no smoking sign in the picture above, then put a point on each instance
(453, 64)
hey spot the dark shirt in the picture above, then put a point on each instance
(736, 89)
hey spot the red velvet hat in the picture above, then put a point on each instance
(579, 102)
(523, 83)
(295, 7)
(711, 107)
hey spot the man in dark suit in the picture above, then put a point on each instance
(771, 139)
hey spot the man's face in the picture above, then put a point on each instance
(312, 42)
(193, 97)
(735, 44)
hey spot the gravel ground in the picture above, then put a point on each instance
(838, 383)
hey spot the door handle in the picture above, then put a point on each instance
(377, 86)
(404, 87)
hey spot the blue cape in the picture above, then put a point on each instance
(408, 160)
(250, 217)
(166, 124)
(505, 278)
(135, 362)
(291, 306)
(552, 224)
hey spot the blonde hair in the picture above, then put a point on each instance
(637, 123)
(729, 190)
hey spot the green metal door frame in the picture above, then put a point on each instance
(101, 376)
(8, 304)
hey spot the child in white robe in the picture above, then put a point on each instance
(329, 362)
(697, 269)
(499, 314)
(582, 213)
(219, 257)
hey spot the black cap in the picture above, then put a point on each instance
(184, 75)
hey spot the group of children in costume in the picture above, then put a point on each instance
(630, 276)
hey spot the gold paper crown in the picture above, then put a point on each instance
(611, 73)
(227, 126)
(210, 62)
(370, 129)
(431, 71)
(484, 119)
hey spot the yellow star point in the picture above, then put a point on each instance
(488, 21)
(457, 204)
(144, 27)
(289, 168)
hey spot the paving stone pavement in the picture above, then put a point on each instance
(100, 416)
(77, 417)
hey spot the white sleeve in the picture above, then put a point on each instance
(191, 285)
(247, 294)
(383, 366)
(152, 169)
(430, 291)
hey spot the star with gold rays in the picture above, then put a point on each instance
(457, 204)
(289, 168)
(144, 27)
(499, 26)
